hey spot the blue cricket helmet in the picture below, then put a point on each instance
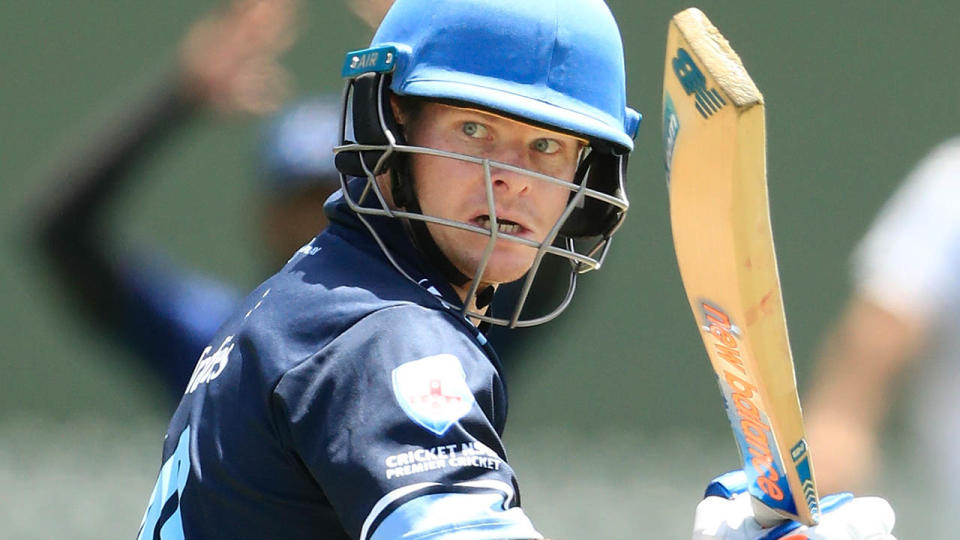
(553, 62)
(297, 145)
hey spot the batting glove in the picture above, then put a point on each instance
(726, 513)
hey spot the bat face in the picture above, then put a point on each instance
(715, 158)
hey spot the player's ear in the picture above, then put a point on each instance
(403, 115)
(397, 108)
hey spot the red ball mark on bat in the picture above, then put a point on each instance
(762, 308)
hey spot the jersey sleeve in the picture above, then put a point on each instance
(168, 314)
(395, 419)
(909, 260)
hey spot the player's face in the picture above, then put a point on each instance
(456, 190)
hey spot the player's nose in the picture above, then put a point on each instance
(504, 173)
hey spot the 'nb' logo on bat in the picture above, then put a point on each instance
(691, 78)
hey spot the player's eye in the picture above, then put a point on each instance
(546, 146)
(474, 130)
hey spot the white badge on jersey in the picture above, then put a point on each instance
(433, 391)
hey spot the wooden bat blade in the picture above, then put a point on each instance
(715, 158)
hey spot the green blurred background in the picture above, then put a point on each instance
(616, 421)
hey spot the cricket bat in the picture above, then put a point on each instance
(715, 156)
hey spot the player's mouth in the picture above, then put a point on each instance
(504, 226)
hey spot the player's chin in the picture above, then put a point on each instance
(508, 263)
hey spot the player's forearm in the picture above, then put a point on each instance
(863, 360)
(86, 181)
(65, 225)
(856, 377)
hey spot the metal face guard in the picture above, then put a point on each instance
(581, 254)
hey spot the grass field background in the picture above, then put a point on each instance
(613, 433)
(89, 478)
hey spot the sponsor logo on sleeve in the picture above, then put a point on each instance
(433, 391)
(211, 364)
(473, 454)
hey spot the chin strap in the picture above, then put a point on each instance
(485, 297)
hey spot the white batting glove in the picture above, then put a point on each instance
(844, 517)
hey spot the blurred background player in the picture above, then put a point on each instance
(164, 312)
(370, 11)
(905, 307)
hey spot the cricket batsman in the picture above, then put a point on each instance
(354, 394)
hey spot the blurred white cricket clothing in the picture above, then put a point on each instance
(909, 262)
(910, 258)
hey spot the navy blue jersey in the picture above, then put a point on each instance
(343, 400)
